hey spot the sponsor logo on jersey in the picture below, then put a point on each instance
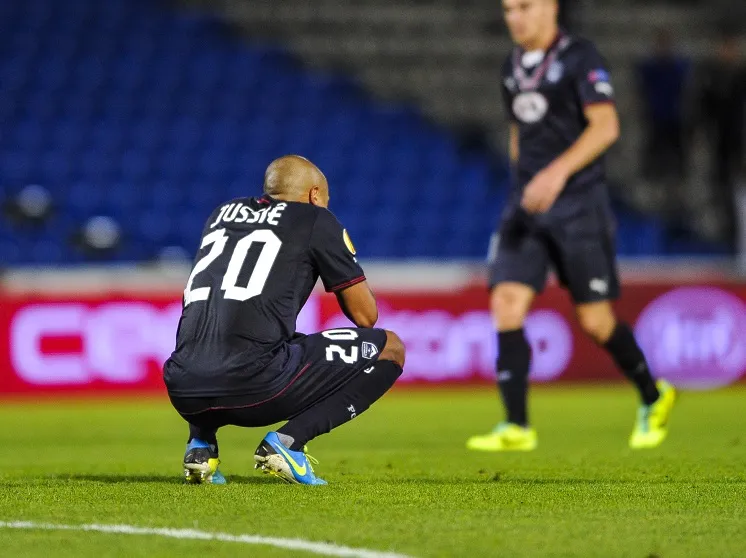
(555, 72)
(530, 107)
(348, 242)
(369, 350)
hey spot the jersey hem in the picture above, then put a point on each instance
(256, 404)
(604, 102)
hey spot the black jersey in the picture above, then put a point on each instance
(545, 94)
(258, 262)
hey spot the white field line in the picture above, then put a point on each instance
(325, 549)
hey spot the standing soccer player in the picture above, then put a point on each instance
(238, 359)
(558, 93)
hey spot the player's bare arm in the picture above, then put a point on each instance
(513, 143)
(359, 305)
(600, 134)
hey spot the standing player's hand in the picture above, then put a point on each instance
(541, 193)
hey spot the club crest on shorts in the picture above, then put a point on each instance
(369, 350)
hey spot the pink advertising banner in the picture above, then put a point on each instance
(692, 335)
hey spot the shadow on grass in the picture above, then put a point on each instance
(156, 479)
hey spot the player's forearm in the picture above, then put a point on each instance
(597, 138)
(513, 144)
(359, 305)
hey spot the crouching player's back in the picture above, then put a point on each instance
(238, 359)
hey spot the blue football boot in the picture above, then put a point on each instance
(201, 464)
(293, 467)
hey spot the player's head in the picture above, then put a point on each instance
(531, 22)
(295, 178)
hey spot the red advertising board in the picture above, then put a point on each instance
(695, 336)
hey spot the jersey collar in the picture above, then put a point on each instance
(531, 82)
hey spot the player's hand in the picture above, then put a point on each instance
(541, 193)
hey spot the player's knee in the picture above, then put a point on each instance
(509, 305)
(597, 322)
(394, 349)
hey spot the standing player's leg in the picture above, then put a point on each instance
(345, 376)
(517, 272)
(510, 303)
(598, 321)
(587, 266)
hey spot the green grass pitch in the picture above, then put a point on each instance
(400, 480)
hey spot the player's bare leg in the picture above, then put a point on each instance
(598, 321)
(509, 304)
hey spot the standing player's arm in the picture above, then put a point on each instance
(514, 145)
(599, 135)
(359, 305)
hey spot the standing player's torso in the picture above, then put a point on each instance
(543, 95)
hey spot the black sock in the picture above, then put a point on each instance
(204, 434)
(513, 361)
(625, 351)
(343, 405)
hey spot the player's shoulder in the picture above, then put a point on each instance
(580, 48)
(325, 219)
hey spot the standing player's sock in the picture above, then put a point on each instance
(513, 360)
(343, 405)
(623, 348)
(209, 436)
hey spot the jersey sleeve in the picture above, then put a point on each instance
(593, 79)
(334, 254)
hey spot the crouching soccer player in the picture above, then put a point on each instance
(559, 98)
(238, 360)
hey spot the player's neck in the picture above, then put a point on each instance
(286, 197)
(543, 41)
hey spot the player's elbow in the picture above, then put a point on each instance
(614, 131)
(365, 317)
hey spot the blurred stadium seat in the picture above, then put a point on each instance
(126, 109)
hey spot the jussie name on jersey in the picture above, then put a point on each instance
(240, 213)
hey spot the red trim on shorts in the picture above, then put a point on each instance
(275, 396)
(345, 285)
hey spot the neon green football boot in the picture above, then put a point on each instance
(651, 427)
(505, 437)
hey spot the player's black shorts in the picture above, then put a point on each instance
(581, 249)
(320, 364)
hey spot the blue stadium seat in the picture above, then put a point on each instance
(126, 108)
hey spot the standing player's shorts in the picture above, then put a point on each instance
(318, 366)
(580, 248)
